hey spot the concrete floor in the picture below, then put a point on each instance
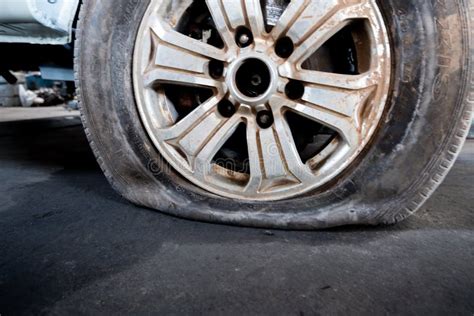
(20, 113)
(70, 245)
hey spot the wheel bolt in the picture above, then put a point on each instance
(294, 90)
(226, 108)
(265, 119)
(243, 37)
(284, 47)
(216, 68)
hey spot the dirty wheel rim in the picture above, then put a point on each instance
(236, 81)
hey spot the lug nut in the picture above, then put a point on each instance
(284, 47)
(216, 68)
(265, 119)
(243, 37)
(294, 90)
(226, 108)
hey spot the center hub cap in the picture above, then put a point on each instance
(252, 79)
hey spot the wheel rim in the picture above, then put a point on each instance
(221, 106)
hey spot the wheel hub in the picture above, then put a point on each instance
(252, 79)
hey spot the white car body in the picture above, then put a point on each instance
(37, 21)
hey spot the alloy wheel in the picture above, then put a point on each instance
(261, 100)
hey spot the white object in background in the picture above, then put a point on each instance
(28, 98)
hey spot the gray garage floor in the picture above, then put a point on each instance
(69, 244)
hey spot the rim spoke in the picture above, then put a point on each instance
(194, 140)
(192, 119)
(220, 18)
(166, 34)
(330, 27)
(229, 15)
(345, 126)
(255, 160)
(301, 17)
(201, 134)
(351, 82)
(234, 12)
(255, 17)
(289, 17)
(215, 140)
(345, 102)
(171, 57)
(269, 166)
(288, 147)
(173, 76)
(317, 23)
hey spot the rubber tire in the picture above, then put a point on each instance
(423, 129)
